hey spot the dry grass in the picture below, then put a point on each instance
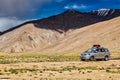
(72, 70)
(7, 59)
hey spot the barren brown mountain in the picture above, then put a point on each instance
(106, 33)
(70, 32)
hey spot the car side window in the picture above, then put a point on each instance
(106, 50)
(103, 50)
(98, 50)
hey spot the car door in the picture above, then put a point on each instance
(101, 53)
(96, 54)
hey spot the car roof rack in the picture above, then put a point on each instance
(96, 45)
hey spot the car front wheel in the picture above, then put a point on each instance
(92, 58)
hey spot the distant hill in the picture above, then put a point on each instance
(63, 32)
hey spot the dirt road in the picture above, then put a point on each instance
(96, 70)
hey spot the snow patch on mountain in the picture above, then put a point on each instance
(104, 12)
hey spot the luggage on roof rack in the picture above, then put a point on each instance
(96, 45)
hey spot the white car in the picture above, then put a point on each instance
(96, 52)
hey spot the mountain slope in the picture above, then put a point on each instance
(26, 38)
(64, 32)
(69, 19)
(106, 33)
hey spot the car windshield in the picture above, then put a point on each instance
(91, 50)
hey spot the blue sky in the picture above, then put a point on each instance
(14, 12)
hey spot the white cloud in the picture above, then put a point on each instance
(20, 7)
(66, 7)
(75, 6)
(7, 22)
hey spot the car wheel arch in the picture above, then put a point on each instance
(92, 58)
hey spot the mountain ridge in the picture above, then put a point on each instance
(39, 35)
(93, 15)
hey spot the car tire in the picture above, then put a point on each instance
(92, 58)
(82, 59)
(106, 58)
